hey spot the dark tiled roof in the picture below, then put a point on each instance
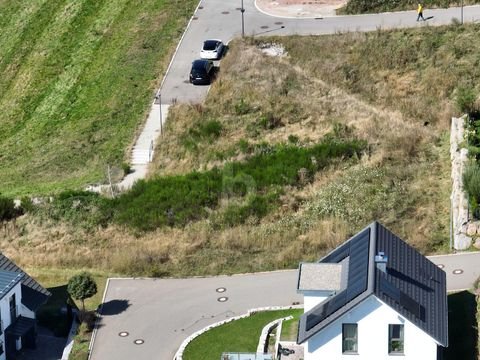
(412, 285)
(35, 295)
(8, 280)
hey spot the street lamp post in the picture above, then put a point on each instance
(158, 97)
(242, 10)
(462, 12)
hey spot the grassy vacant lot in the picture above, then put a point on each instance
(391, 91)
(237, 336)
(373, 6)
(77, 79)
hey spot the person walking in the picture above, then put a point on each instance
(420, 12)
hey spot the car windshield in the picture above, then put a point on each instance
(210, 45)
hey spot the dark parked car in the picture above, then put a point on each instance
(202, 72)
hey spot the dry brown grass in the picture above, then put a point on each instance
(406, 169)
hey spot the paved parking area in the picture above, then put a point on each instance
(163, 312)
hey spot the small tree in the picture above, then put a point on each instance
(81, 287)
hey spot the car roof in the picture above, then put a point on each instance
(200, 63)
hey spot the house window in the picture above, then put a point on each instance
(349, 339)
(395, 339)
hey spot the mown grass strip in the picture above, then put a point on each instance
(237, 336)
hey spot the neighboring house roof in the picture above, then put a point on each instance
(8, 279)
(33, 294)
(412, 285)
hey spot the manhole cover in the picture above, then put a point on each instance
(441, 266)
(457, 271)
(264, 27)
(195, 18)
(225, 12)
(138, 342)
(200, 7)
(238, 8)
(221, 290)
(222, 299)
(278, 23)
(123, 334)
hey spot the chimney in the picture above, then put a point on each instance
(381, 261)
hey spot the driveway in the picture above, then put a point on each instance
(49, 347)
(163, 312)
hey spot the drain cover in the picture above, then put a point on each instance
(264, 27)
(225, 12)
(222, 299)
(278, 23)
(221, 290)
(195, 18)
(138, 342)
(200, 7)
(458, 271)
(123, 334)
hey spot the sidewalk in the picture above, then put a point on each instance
(300, 8)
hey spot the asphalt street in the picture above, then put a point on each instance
(221, 19)
(163, 312)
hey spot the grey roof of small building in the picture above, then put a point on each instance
(320, 276)
(8, 279)
(33, 294)
(412, 285)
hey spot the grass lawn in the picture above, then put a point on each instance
(290, 328)
(237, 336)
(462, 327)
(78, 77)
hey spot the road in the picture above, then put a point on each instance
(163, 312)
(222, 19)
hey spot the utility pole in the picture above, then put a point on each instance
(242, 10)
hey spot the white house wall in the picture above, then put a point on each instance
(5, 312)
(373, 317)
(312, 298)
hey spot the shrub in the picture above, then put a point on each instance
(177, 200)
(81, 287)
(242, 107)
(471, 184)
(7, 209)
(466, 97)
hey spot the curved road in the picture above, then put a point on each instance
(163, 312)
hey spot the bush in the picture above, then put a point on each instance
(178, 200)
(471, 184)
(466, 98)
(7, 209)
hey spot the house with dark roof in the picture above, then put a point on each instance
(20, 298)
(373, 297)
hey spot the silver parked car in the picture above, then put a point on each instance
(212, 49)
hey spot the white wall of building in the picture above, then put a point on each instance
(5, 311)
(312, 298)
(373, 317)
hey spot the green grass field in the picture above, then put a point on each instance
(77, 80)
(237, 336)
